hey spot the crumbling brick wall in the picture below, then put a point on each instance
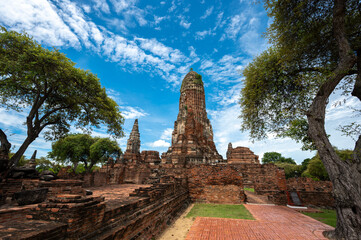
(88, 217)
(311, 192)
(215, 184)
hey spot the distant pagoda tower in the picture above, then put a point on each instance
(192, 137)
(132, 153)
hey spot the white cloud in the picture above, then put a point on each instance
(66, 24)
(173, 7)
(202, 34)
(184, 23)
(164, 140)
(235, 25)
(120, 5)
(159, 49)
(167, 134)
(342, 107)
(86, 8)
(159, 143)
(132, 113)
(207, 13)
(101, 5)
(225, 70)
(39, 19)
(11, 118)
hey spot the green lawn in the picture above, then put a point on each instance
(249, 189)
(220, 211)
(328, 217)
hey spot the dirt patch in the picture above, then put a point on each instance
(179, 229)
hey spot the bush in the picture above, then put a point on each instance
(291, 170)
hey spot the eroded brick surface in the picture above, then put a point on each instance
(272, 222)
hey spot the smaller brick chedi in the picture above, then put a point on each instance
(133, 145)
(192, 137)
(241, 155)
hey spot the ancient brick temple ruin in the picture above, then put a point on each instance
(192, 137)
(240, 155)
(132, 152)
(137, 196)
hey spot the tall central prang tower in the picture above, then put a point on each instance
(192, 137)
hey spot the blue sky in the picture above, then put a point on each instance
(141, 50)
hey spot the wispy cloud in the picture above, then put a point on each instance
(101, 5)
(39, 19)
(207, 13)
(65, 24)
(184, 23)
(202, 34)
(225, 70)
(132, 112)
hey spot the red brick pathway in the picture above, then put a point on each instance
(272, 222)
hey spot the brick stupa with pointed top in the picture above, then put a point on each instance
(132, 153)
(192, 137)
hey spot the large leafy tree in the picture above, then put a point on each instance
(82, 148)
(275, 157)
(315, 48)
(54, 93)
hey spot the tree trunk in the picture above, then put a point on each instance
(4, 153)
(15, 159)
(345, 175)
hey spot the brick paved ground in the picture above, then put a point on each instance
(272, 222)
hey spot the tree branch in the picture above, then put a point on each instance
(357, 87)
(5, 145)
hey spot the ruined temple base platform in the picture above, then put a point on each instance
(116, 194)
(272, 222)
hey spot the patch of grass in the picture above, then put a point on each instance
(220, 211)
(249, 189)
(328, 217)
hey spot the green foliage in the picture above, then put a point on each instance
(326, 216)
(291, 170)
(43, 164)
(274, 100)
(82, 148)
(220, 211)
(297, 130)
(58, 93)
(316, 170)
(282, 82)
(249, 189)
(305, 164)
(275, 157)
(198, 79)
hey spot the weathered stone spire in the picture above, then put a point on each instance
(32, 161)
(133, 144)
(192, 137)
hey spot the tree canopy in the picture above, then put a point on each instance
(275, 157)
(82, 148)
(315, 48)
(56, 94)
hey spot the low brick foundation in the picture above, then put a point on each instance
(88, 217)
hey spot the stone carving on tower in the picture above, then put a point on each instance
(132, 153)
(192, 137)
